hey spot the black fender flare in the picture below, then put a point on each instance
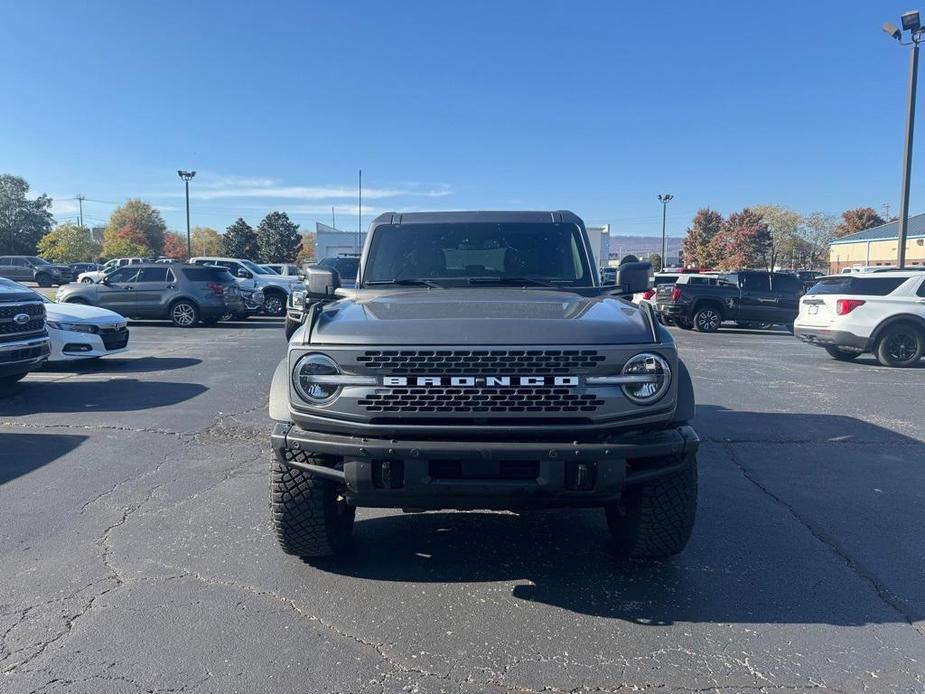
(686, 405)
(892, 320)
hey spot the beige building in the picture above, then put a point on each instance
(878, 246)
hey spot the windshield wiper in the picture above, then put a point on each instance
(513, 281)
(405, 282)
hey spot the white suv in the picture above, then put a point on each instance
(882, 313)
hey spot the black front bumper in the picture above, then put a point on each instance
(23, 357)
(832, 338)
(484, 474)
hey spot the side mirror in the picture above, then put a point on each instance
(321, 283)
(633, 278)
(104, 280)
(244, 274)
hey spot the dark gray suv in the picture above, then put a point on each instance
(184, 294)
(31, 268)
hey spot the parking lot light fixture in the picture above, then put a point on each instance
(186, 176)
(664, 199)
(910, 22)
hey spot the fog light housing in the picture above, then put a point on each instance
(655, 378)
(306, 381)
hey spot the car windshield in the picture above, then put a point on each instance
(255, 268)
(483, 253)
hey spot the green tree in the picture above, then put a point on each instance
(783, 227)
(67, 243)
(699, 248)
(241, 240)
(817, 232)
(278, 239)
(22, 221)
(655, 260)
(142, 217)
(125, 242)
(206, 241)
(858, 219)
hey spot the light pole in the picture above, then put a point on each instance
(664, 199)
(910, 23)
(186, 176)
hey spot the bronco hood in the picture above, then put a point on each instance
(483, 316)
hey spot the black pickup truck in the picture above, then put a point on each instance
(750, 298)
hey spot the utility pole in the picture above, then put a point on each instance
(664, 199)
(80, 201)
(886, 211)
(912, 24)
(333, 218)
(186, 176)
(360, 213)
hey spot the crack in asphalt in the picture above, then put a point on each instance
(883, 592)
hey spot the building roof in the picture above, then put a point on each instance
(887, 231)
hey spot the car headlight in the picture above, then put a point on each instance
(654, 378)
(308, 378)
(298, 298)
(72, 327)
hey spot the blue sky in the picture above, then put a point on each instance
(594, 107)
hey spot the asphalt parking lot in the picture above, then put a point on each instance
(137, 554)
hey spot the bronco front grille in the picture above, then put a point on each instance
(520, 399)
(500, 361)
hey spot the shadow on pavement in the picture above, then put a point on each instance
(256, 323)
(122, 364)
(752, 558)
(113, 395)
(23, 453)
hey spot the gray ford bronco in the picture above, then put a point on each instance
(479, 364)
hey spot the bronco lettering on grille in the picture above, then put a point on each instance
(486, 381)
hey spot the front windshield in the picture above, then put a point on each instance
(478, 252)
(256, 269)
(37, 261)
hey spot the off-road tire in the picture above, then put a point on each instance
(684, 323)
(654, 520)
(183, 313)
(900, 345)
(309, 517)
(707, 319)
(841, 354)
(43, 279)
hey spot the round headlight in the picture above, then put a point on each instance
(307, 386)
(655, 378)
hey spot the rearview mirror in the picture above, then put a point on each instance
(321, 283)
(634, 278)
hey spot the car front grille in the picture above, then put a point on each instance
(466, 362)
(11, 330)
(517, 399)
(114, 338)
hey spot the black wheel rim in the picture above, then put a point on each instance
(902, 346)
(274, 305)
(708, 320)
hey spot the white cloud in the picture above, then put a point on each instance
(231, 187)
